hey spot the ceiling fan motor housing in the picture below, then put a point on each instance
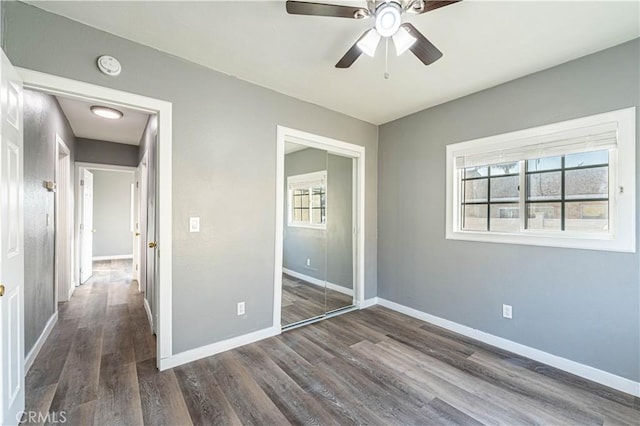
(388, 18)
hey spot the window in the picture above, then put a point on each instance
(569, 184)
(308, 200)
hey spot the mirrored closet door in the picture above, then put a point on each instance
(318, 254)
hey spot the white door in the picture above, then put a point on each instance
(136, 228)
(152, 250)
(86, 227)
(11, 246)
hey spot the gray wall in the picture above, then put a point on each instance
(2, 23)
(112, 213)
(43, 118)
(102, 152)
(224, 155)
(578, 304)
(330, 250)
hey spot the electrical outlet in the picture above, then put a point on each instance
(308, 262)
(507, 311)
(240, 308)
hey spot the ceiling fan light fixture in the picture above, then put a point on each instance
(369, 43)
(388, 19)
(106, 112)
(402, 40)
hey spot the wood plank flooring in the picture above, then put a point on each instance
(372, 366)
(302, 300)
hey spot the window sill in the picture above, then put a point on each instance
(604, 242)
(307, 225)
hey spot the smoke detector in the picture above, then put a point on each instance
(109, 65)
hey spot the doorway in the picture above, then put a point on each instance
(60, 86)
(107, 218)
(319, 269)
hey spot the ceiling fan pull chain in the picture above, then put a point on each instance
(386, 58)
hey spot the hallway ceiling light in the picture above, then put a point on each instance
(106, 112)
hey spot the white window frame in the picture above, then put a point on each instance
(622, 186)
(314, 180)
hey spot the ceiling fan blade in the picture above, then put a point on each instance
(430, 5)
(422, 48)
(321, 9)
(352, 54)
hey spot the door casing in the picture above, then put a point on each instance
(333, 146)
(64, 234)
(61, 86)
(84, 225)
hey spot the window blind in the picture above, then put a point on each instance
(594, 138)
(307, 181)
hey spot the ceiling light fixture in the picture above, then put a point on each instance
(369, 42)
(106, 112)
(402, 40)
(388, 19)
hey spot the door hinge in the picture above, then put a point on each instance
(137, 184)
(81, 182)
(81, 226)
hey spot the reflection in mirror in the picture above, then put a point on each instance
(318, 255)
(340, 254)
(305, 234)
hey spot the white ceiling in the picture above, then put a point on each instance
(485, 43)
(85, 124)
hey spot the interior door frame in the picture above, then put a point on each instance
(79, 171)
(64, 240)
(333, 146)
(79, 225)
(56, 85)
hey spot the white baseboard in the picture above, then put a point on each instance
(33, 353)
(216, 348)
(315, 281)
(599, 376)
(114, 257)
(147, 309)
(367, 303)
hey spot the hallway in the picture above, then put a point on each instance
(87, 367)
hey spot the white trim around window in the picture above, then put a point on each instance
(614, 131)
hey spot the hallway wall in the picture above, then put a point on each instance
(43, 118)
(112, 213)
(103, 152)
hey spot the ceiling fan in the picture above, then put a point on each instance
(387, 16)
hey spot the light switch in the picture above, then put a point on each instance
(194, 224)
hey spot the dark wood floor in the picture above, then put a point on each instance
(372, 366)
(302, 300)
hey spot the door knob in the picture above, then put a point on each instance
(153, 244)
(93, 230)
(1, 290)
(137, 234)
